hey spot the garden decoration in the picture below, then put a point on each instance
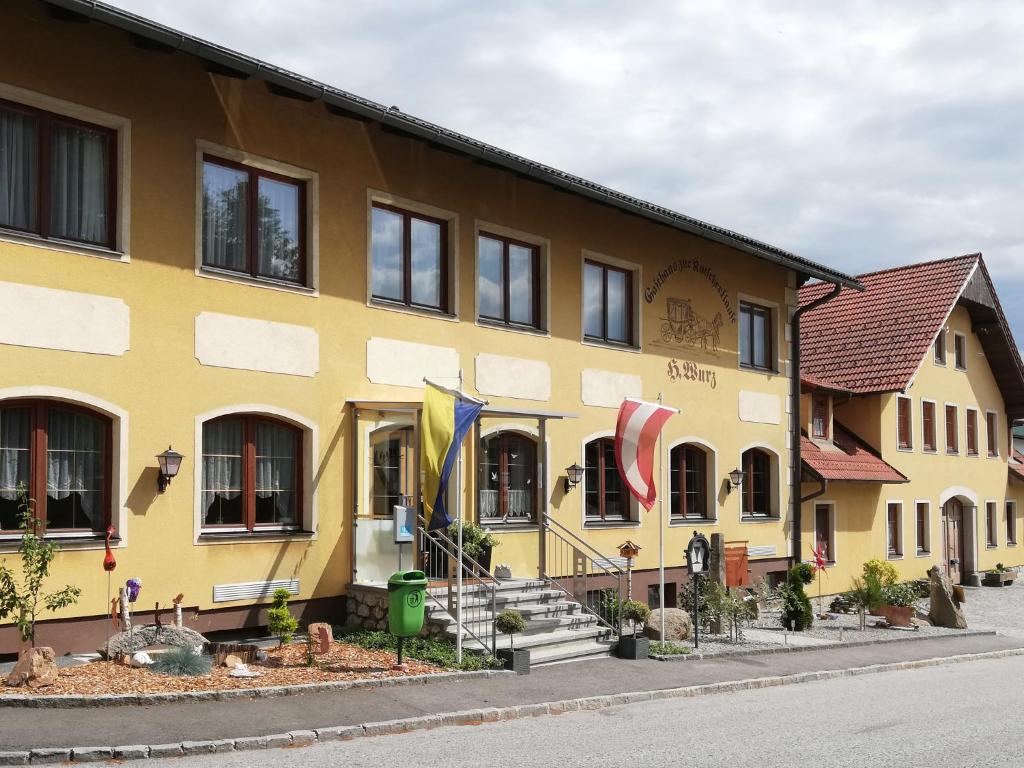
(177, 609)
(698, 559)
(508, 623)
(819, 565)
(109, 564)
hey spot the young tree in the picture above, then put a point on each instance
(24, 598)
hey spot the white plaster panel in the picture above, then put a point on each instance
(606, 389)
(49, 318)
(760, 407)
(248, 344)
(406, 363)
(514, 377)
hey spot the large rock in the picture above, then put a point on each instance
(36, 668)
(943, 610)
(322, 637)
(146, 637)
(677, 625)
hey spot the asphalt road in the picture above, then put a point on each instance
(956, 715)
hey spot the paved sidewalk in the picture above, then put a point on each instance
(168, 723)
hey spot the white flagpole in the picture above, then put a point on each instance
(661, 529)
(458, 578)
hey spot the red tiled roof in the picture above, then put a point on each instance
(874, 341)
(847, 457)
(1017, 465)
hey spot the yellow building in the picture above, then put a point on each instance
(911, 389)
(199, 249)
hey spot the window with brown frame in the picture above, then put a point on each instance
(819, 415)
(688, 482)
(252, 466)
(991, 511)
(940, 348)
(1011, 523)
(508, 474)
(972, 432)
(823, 531)
(393, 470)
(992, 433)
(756, 347)
(58, 176)
(60, 456)
(508, 287)
(408, 258)
(928, 425)
(757, 483)
(952, 430)
(923, 509)
(254, 221)
(894, 534)
(904, 424)
(606, 496)
(607, 304)
(960, 351)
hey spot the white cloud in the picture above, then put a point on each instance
(859, 134)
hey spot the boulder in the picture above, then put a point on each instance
(127, 643)
(322, 636)
(677, 625)
(141, 659)
(36, 668)
(943, 610)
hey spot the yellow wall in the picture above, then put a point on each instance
(172, 102)
(934, 476)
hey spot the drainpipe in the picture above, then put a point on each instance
(796, 503)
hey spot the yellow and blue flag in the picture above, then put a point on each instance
(447, 416)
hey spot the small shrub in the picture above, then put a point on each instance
(796, 606)
(867, 594)
(475, 540)
(901, 594)
(886, 573)
(281, 622)
(636, 612)
(508, 623)
(182, 662)
(426, 649)
(669, 649)
(802, 571)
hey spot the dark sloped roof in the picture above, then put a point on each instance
(1017, 466)
(874, 341)
(225, 61)
(846, 457)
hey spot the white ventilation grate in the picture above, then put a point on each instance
(766, 551)
(249, 590)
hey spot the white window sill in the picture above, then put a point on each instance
(682, 522)
(610, 345)
(64, 541)
(405, 309)
(923, 554)
(599, 524)
(898, 556)
(759, 519)
(497, 325)
(238, 278)
(62, 246)
(207, 538)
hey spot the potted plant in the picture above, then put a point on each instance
(477, 544)
(508, 623)
(635, 646)
(882, 572)
(1000, 576)
(898, 608)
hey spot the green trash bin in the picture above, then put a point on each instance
(407, 592)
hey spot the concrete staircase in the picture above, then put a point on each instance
(558, 628)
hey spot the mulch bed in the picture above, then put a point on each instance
(285, 666)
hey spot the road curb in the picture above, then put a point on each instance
(698, 656)
(473, 716)
(69, 701)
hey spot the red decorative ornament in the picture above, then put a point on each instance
(818, 561)
(109, 563)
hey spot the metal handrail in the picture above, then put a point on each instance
(577, 540)
(440, 532)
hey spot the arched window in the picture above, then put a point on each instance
(688, 481)
(60, 456)
(606, 497)
(251, 474)
(393, 469)
(508, 479)
(757, 483)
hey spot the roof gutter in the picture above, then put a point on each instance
(796, 503)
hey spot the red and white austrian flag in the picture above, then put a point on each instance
(636, 433)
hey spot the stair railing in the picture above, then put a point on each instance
(440, 560)
(595, 581)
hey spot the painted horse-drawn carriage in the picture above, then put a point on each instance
(685, 326)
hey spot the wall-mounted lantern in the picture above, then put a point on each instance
(170, 463)
(736, 479)
(573, 475)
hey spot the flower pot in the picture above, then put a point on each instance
(517, 660)
(633, 647)
(898, 615)
(1001, 579)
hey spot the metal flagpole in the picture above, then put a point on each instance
(458, 577)
(661, 530)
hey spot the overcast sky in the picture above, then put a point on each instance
(859, 134)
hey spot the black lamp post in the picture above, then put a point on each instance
(170, 463)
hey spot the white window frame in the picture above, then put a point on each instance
(945, 349)
(1010, 512)
(995, 524)
(638, 316)
(122, 235)
(711, 517)
(927, 551)
(945, 428)
(958, 335)
(831, 526)
(900, 527)
(777, 340)
(977, 432)
(935, 426)
(998, 453)
(775, 511)
(543, 246)
(910, 427)
(312, 216)
(635, 519)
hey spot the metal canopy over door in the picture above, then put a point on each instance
(953, 539)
